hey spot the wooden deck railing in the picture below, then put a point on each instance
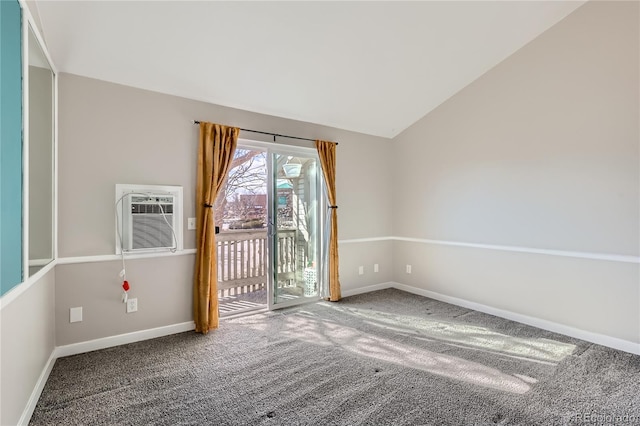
(242, 260)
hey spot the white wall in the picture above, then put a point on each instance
(112, 134)
(541, 152)
(27, 328)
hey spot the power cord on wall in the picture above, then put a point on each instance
(123, 273)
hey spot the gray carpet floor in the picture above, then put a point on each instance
(382, 358)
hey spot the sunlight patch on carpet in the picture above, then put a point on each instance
(539, 349)
(321, 332)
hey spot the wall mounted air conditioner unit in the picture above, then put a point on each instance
(149, 218)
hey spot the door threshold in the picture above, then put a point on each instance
(296, 302)
(266, 310)
(245, 313)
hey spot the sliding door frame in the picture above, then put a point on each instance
(272, 148)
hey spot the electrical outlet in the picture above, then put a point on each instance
(132, 305)
(360, 270)
(191, 224)
(408, 269)
(75, 314)
(375, 268)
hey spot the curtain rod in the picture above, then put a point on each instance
(271, 134)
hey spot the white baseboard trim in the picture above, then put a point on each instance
(600, 339)
(37, 391)
(367, 289)
(121, 339)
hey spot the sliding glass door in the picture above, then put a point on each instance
(294, 227)
(268, 214)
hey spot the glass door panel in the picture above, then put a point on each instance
(242, 245)
(295, 228)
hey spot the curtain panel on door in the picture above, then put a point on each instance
(327, 154)
(215, 154)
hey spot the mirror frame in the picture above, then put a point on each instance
(29, 27)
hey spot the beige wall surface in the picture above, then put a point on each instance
(365, 254)
(28, 339)
(161, 285)
(540, 152)
(111, 134)
(117, 134)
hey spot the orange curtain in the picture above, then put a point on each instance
(327, 154)
(215, 153)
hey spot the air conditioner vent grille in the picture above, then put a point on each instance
(151, 231)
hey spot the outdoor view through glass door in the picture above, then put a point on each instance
(295, 228)
(268, 247)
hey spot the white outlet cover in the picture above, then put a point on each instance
(191, 224)
(360, 270)
(75, 314)
(132, 305)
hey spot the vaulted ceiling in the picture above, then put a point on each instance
(370, 67)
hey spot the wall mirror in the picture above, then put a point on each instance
(41, 156)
